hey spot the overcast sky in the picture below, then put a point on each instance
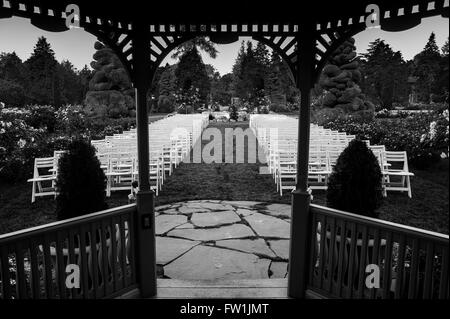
(76, 45)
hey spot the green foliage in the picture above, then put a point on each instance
(42, 117)
(339, 80)
(191, 74)
(41, 79)
(221, 89)
(427, 68)
(385, 75)
(355, 183)
(12, 93)
(110, 92)
(44, 86)
(81, 182)
(166, 104)
(233, 112)
(198, 43)
(410, 135)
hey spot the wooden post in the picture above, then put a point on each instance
(300, 219)
(145, 218)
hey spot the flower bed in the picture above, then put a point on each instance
(423, 136)
(37, 131)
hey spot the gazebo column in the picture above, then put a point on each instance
(300, 220)
(145, 221)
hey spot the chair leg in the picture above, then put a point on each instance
(408, 184)
(33, 192)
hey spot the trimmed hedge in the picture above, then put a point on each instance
(355, 183)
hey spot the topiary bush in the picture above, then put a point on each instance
(81, 182)
(355, 183)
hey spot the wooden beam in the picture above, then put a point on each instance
(299, 251)
(144, 226)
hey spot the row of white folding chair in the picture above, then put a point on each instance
(122, 169)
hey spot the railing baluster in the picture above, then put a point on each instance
(60, 269)
(72, 259)
(21, 278)
(400, 267)
(341, 265)
(352, 259)
(375, 259)
(113, 257)
(123, 250)
(94, 256)
(6, 278)
(131, 234)
(443, 290)
(35, 277)
(363, 262)
(104, 253)
(323, 237)
(331, 255)
(429, 257)
(387, 266)
(413, 277)
(49, 291)
(314, 252)
(84, 264)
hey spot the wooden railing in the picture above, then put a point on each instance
(33, 261)
(412, 263)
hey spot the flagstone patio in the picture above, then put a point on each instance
(216, 240)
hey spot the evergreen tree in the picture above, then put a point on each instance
(81, 182)
(442, 83)
(166, 89)
(70, 83)
(191, 73)
(427, 70)
(44, 86)
(85, 76)
(13, 80)
(12, 68)
(385, 75)
(275, 86)
(199, 43)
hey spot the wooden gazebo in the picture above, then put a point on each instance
(304, 33)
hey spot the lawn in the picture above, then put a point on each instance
(427, 209)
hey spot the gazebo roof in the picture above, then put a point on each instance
(231, 11)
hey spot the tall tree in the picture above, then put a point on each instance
(44, 86)
(191, 73)
(166, 89)
(13, 80)
(384, 75)
(442, 84)
(427, 69)
(70, 83)
(250, 79)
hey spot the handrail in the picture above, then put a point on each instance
(412, 263)
(385, 225)
(33, 231)
(33, 262)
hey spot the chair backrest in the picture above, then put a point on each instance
(397, 157)
(43, 162)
